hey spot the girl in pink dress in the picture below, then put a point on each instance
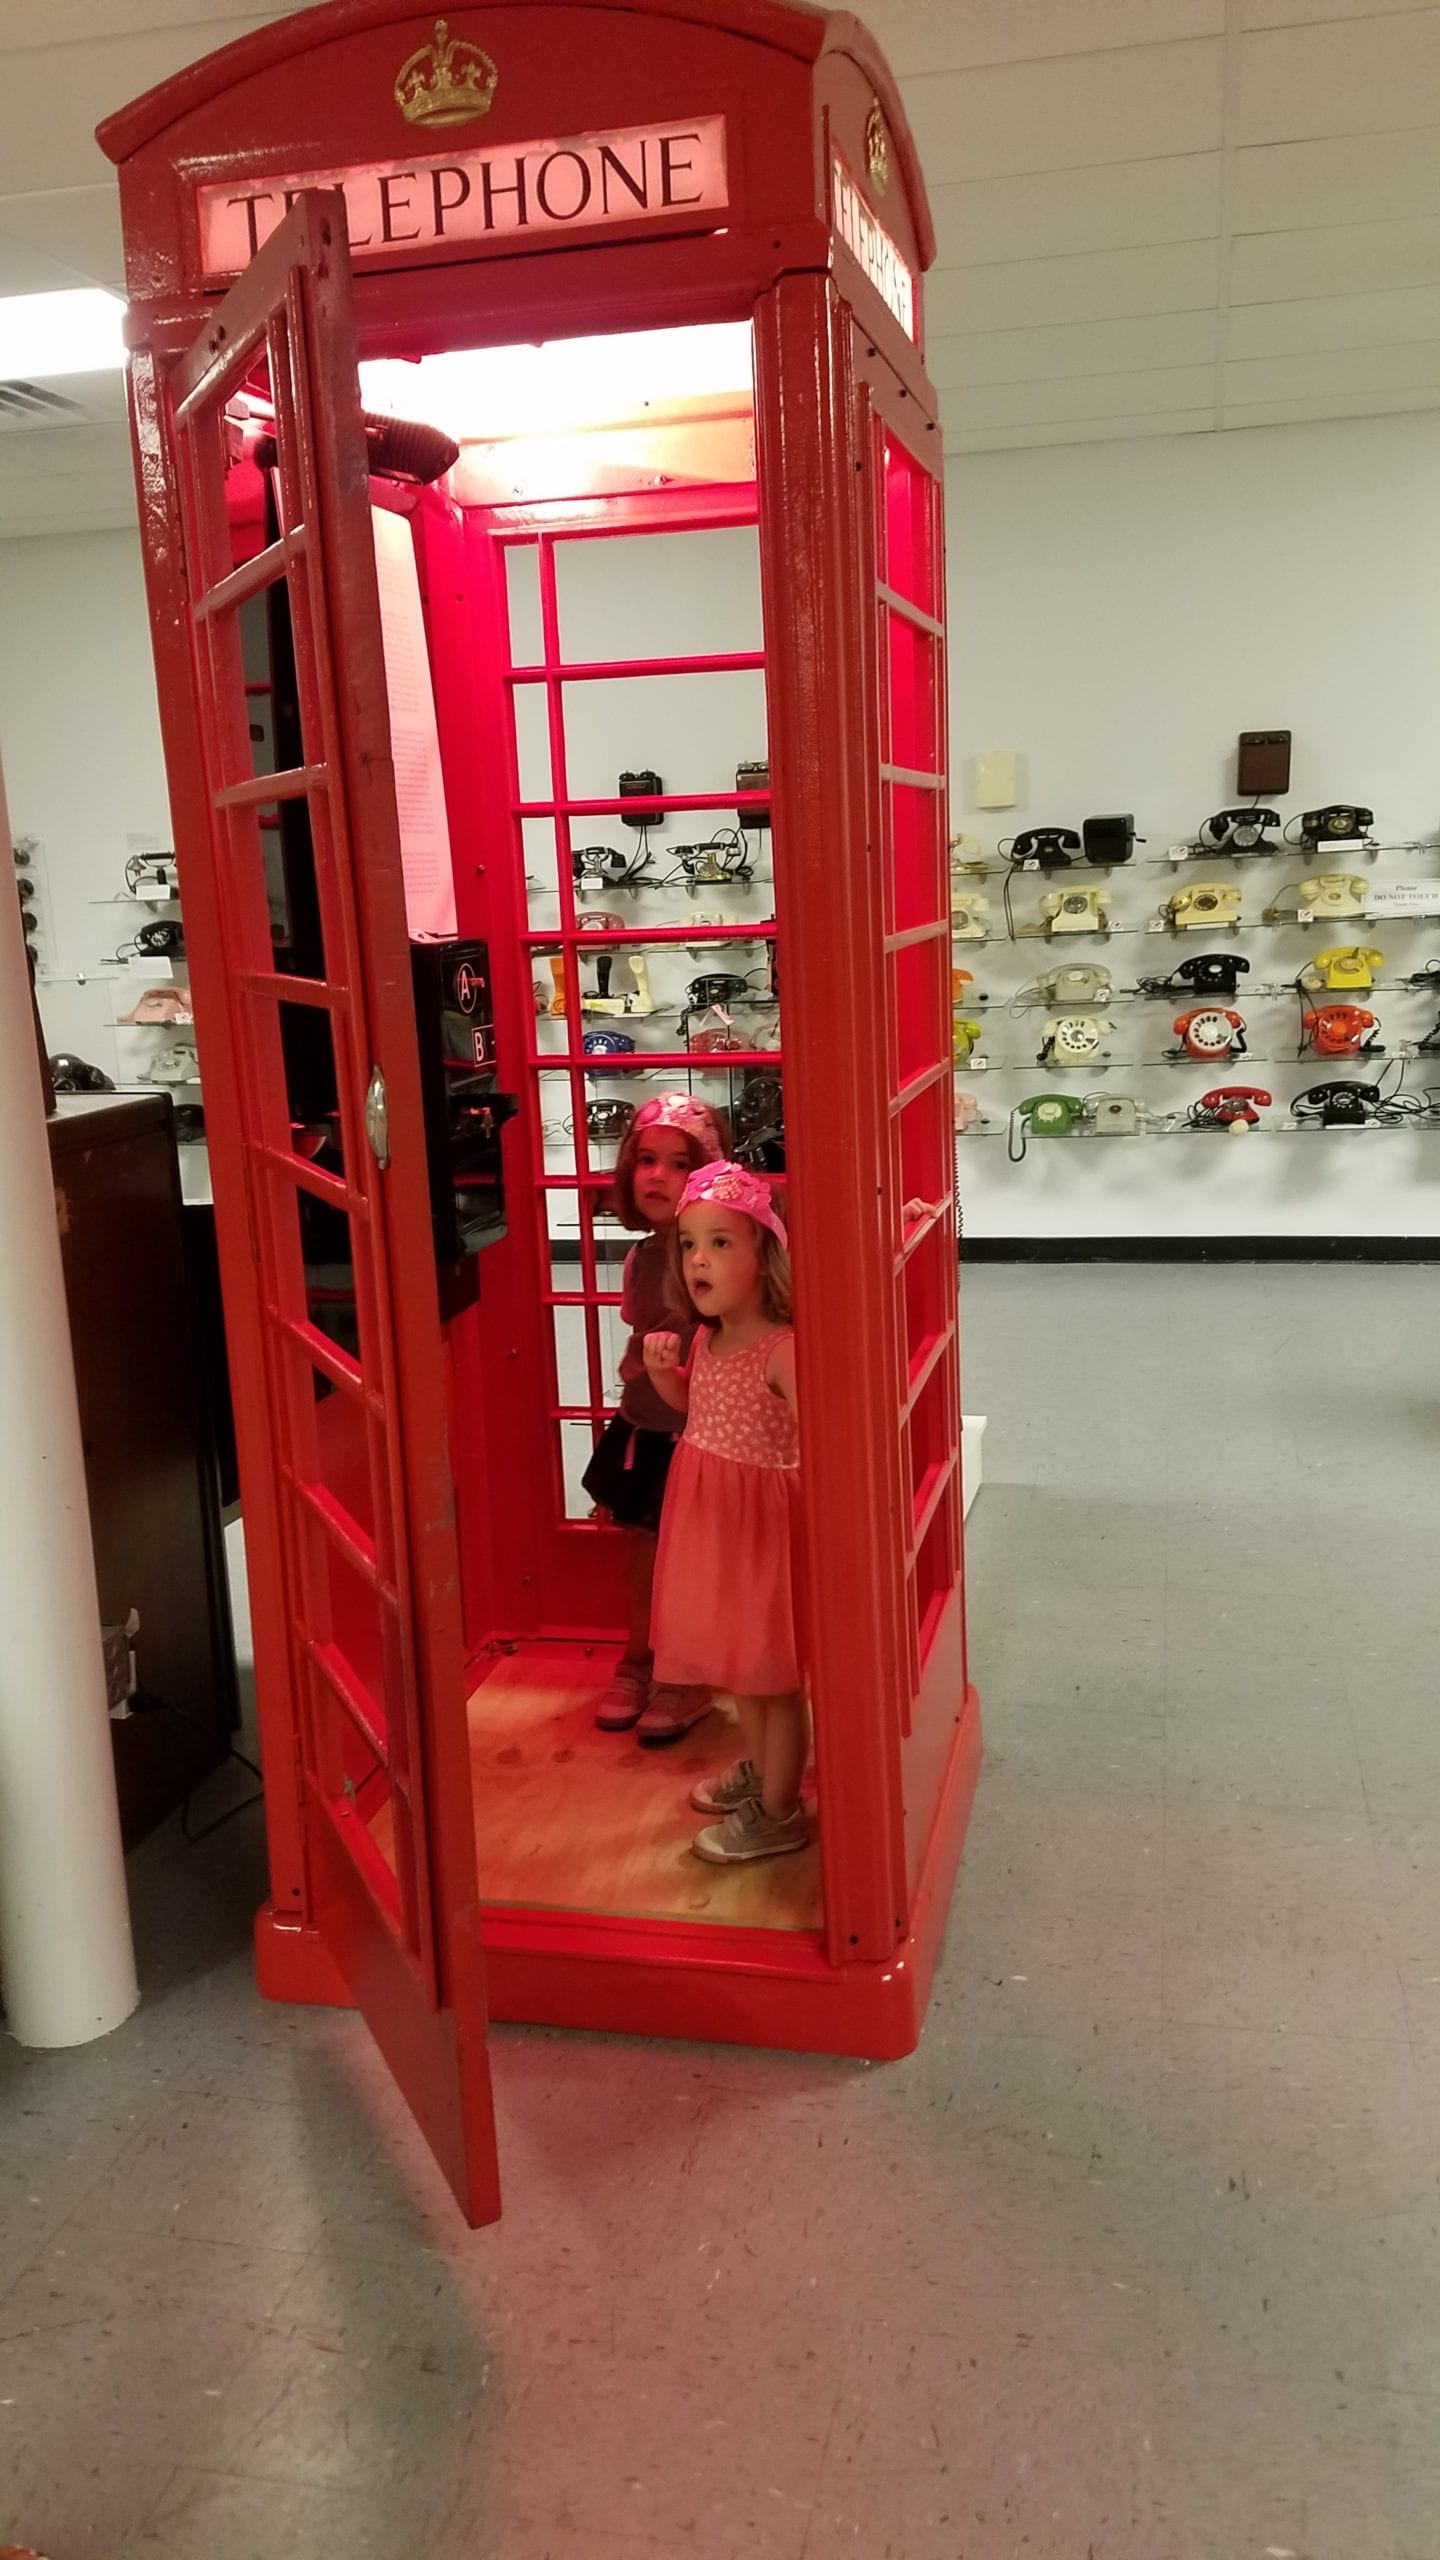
(724, 1611)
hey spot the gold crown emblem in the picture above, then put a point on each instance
(446, 82)
(877, 149)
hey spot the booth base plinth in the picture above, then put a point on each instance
(694, 1981)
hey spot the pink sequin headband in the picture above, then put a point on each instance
(678, 1111)
(730, 1186)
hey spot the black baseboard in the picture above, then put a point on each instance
(1200, 1249)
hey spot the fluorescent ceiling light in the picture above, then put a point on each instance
(44, 334)
(481, 393)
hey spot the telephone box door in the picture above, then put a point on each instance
(305, 896)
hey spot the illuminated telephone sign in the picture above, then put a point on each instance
(645, 173)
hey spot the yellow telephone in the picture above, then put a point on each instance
(1348, 964)
(967, 917)
(1333, 893)
(963, 1035)
(1210, 902)
(1077, 911)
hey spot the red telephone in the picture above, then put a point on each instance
(1340, 1030)
(1230, 1106)
(1208, 1031)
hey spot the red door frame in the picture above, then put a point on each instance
(404, 1938)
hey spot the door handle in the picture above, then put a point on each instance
(377, 1119)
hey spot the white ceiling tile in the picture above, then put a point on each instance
(955, 35)
(1105, 395)
(1296, 13)
(1053, 213)
(1312, 377)
(1351, 257)
(1365, 177)
(1370, 75)
(78, 227)
(1101, 346)
(61, 453)
(1088, 110)
(1109, 285)
(99, 511)
(1342, 320)
(1363, 404)
(1165, 422)
(47, 147)
(85, 21)
(24, 270)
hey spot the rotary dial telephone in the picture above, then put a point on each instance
(1333, 893)
(1349, 964)
(1337, 823)
(1341, 1030)
(1210, 1032)
(1044, 1115)
(1073, 1039)
(1210, 973)
(1050, 848)
(967, 1114)
(967, 917)
(964, 1032)
(1077, 911)
(1078, 984)
(612, 982)
(1229, 1106)
(1210, 902)
(1242, 829)
(1342, 1105)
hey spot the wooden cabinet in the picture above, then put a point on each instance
(149, 1441)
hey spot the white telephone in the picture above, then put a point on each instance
(1073, 1039)
(967, 917)
(1077, 911)
(1078, 984)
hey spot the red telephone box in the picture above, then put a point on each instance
(656, 271)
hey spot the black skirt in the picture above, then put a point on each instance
(627, 1474)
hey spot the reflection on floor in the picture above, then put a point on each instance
(583, 1821)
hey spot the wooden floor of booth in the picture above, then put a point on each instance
(571, 1819)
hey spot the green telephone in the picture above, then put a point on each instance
(1044, 1115)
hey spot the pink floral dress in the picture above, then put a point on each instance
(724, 1610)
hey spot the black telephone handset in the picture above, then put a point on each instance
(1341, 1105)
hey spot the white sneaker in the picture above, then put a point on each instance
(750, 1832)
(722, 1793)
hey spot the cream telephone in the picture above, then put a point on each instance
(1210, 902)
(1077, 911)
(1073, 1039)
(1333, 893)
(967, 917)
(1348, 964)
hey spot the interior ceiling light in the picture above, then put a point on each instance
(485, 393)
(44, 334)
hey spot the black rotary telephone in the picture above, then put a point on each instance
(1244, 829)
(1342, 1105)
(1050, 848)
(1339, 822)
(1210, 973)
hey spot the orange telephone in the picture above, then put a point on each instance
(1229, 1106)
(1341, 1030)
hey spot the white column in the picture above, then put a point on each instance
(66, 1957)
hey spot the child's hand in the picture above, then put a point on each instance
(662, 1352)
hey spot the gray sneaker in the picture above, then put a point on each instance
(750, 1832)
(619, 1706)
(671, 1713)
(722, 1793)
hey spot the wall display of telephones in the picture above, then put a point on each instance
(1253, 984)
(154, 1020)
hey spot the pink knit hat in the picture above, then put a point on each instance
(681, 1111)
(731, 1186)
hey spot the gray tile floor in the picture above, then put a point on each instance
(1139, 2257)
